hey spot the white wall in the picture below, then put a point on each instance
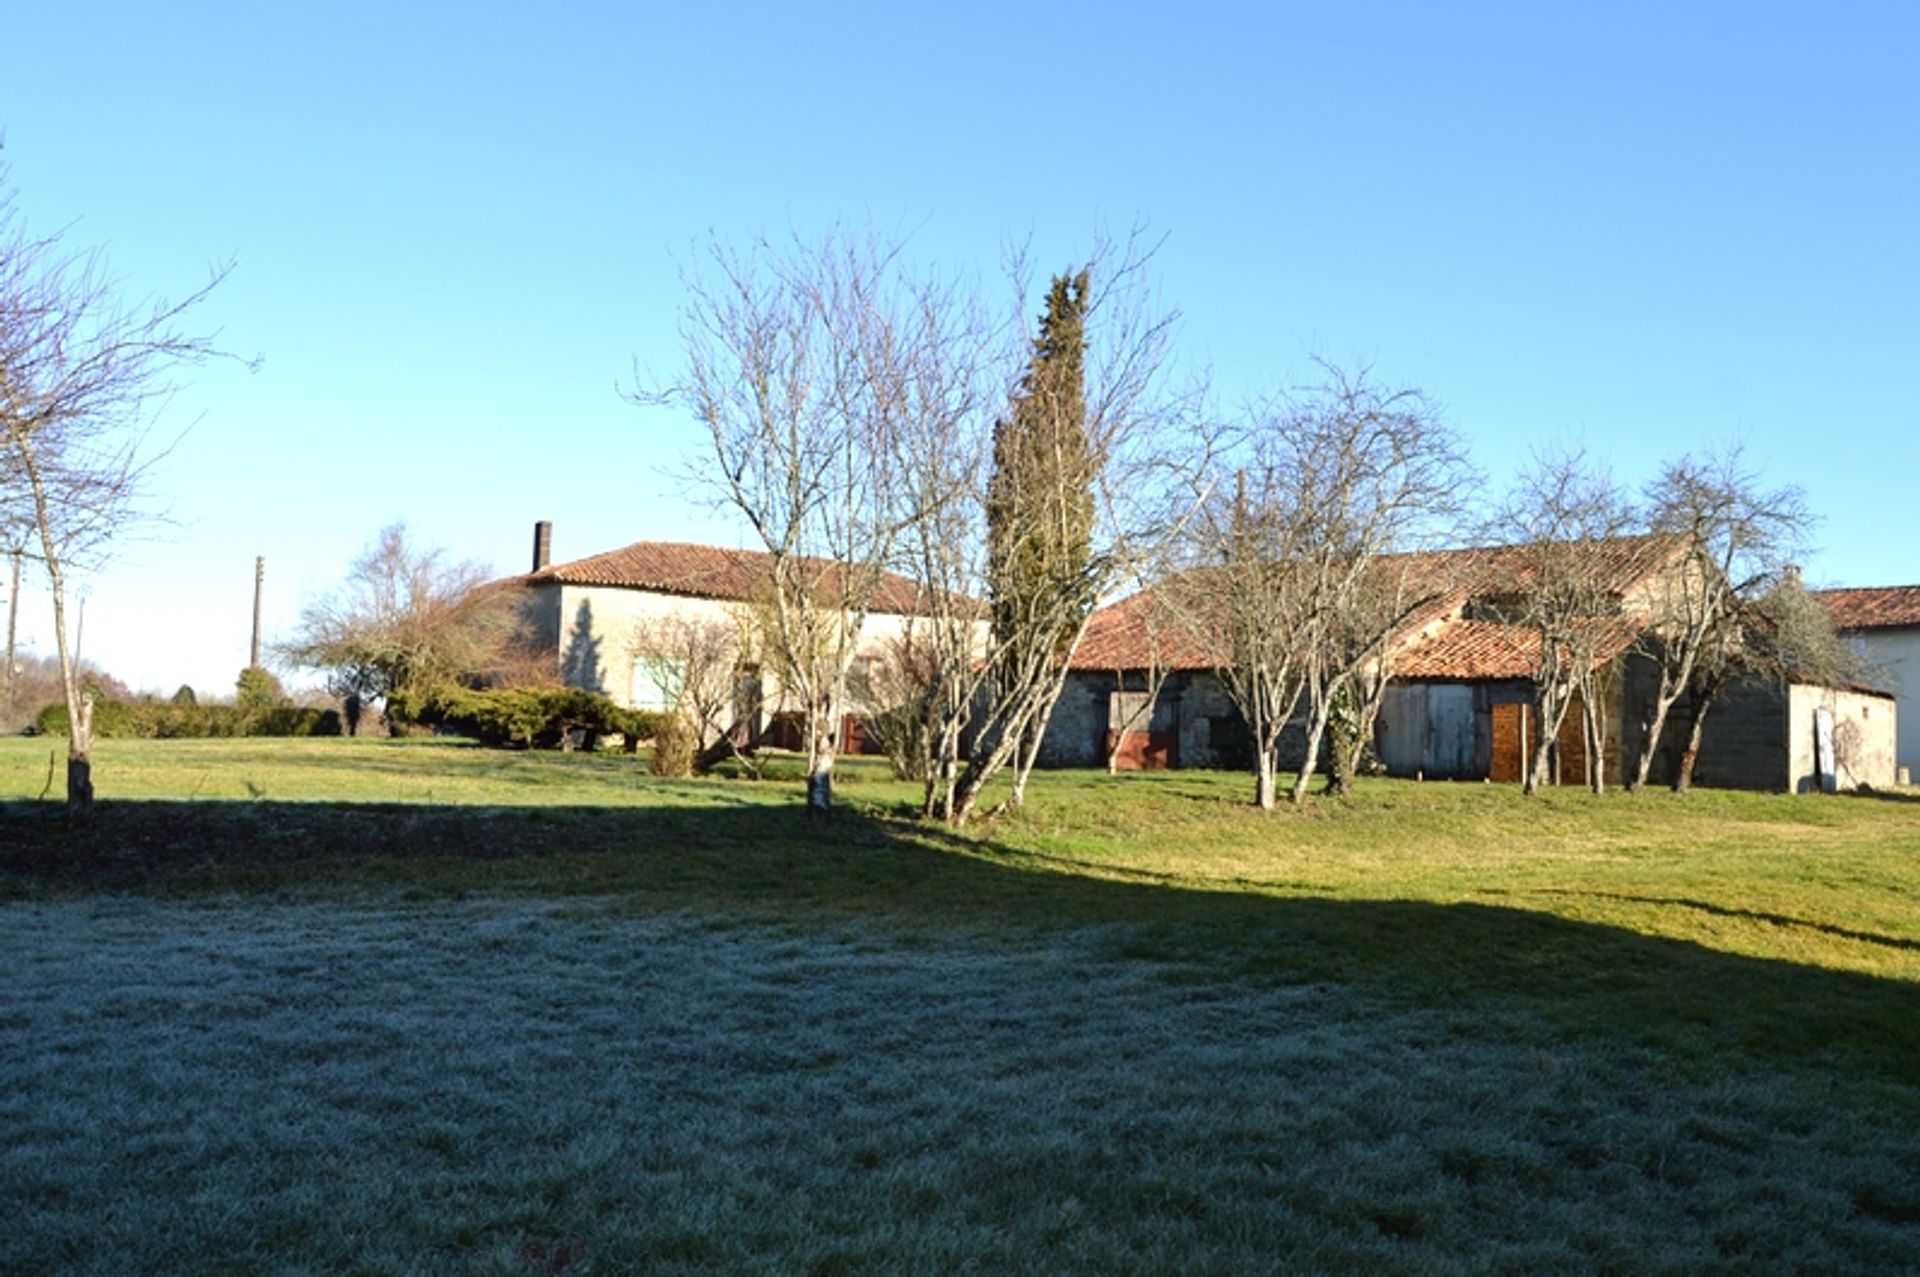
(1869, 720)
(1893, 657)
(597, 627)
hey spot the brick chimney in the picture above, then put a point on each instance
(542, 544)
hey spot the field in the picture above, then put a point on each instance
(369, 1006)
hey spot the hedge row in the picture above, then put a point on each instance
(167, 720)
(524, 717)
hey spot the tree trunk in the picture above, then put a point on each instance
(1029, 755)
(1023, 759)
(80, 759)
(821, 748)
(1023, 756)
(1309, 761)
(1540, 767)
(1341, 764)
(1594, 723)
(1643, 765)
(940, 801)
(79, 705)
(1552, 709)
(1264, 794)
(820, 785)
(1696, 728)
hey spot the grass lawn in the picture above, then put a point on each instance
(407, 1006)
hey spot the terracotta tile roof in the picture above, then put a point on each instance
(1130, 633)
(1472, 650)
(1434, 636)
(704, 571)
(1872, 607)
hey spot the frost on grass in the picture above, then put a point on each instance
(515, 1087)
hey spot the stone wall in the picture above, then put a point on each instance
(1193, 705)
(1744, 745)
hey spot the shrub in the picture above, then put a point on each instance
(674, 744)
(169, 720)
(256, 689)
(524, 717)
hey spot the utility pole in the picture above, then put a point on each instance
(259, 574)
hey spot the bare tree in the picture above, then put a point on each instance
(1297, 602)
(695, 663)
(1776, 636)
(801, 363)
(81, 373)
(1572, 529)
(901, 689)
(1362, 640)
(1739, 539)
(1250, 605)
(1155, 625)
(1381, 472)
(849, 406)
(405, 621)
(933, 676)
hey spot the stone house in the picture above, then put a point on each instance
(592, 618)
(1884, 624)
(1459, 705)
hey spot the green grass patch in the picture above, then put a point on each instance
(414, 1006)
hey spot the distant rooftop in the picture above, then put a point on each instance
(705, 571)
(1879, 607)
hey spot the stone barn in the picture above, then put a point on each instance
(1460, 702)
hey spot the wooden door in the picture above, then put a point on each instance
(1513, 737)
(855, 738)
(1572, 743)
(1146, 751)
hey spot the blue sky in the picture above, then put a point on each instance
(455, 228)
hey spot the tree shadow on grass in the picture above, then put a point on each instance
(872, 870)
(1907, 795)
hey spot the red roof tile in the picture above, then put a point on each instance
(1872, 607)
(706, 571)
(1467, 649)
(1435, 641)
(1130, 634)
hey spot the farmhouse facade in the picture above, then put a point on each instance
(1884, 624)
(1460, 702)
(594, 618)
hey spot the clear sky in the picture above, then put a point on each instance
(455, 228)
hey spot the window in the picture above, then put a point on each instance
(656, 684)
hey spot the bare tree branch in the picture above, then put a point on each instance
(81, 375)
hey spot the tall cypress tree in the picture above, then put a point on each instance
(1040, 497)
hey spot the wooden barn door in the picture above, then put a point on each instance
(1572, 769)
(1153, 743)
(1513, 737)
(1516, 733)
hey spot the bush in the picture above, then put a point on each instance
(524, 717)
(256, 689)
(169, 720)
(674, 744)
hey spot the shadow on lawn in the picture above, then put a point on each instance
(883, 872)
